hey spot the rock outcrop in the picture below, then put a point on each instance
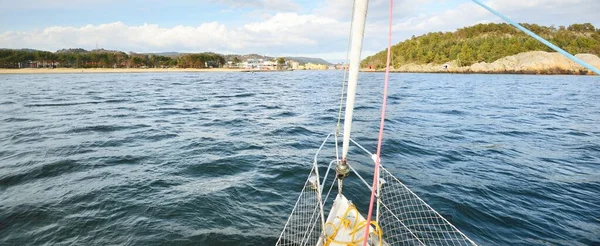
(533, 62)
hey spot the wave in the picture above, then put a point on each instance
(105, 128)
(59, 104)
(292, 131)
(40, 171)
(16, 119)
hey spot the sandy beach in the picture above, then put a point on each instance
(112, 70)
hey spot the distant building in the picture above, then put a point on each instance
(250, 64)
(268, 65)
(231, 64)
(294, 65)
(259, 64)
(312, 66)
(341, 66)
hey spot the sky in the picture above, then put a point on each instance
(313, 28)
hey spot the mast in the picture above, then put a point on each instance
(359, 18)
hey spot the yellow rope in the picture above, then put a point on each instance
(346, 223)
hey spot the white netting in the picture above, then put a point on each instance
(404, 218)
(303, 226)
(407, 220)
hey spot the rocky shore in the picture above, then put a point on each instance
(534, 62)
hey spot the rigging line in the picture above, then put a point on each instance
(381, 124)
(337, 127)
(538, 38)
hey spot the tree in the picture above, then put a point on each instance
(487, 42)
(280, 63)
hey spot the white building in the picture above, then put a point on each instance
(259, 64)
(293, 65)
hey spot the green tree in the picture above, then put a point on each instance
(487, 42)
(280, 63)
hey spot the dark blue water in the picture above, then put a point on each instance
(219, 158)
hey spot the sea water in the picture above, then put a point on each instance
(220, 158)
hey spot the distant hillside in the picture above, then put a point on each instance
(301, 60)
(247, 56)
(486, 43)
(167, 54)
(304, 60)
(72, 51)
(229, 57)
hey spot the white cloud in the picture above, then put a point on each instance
(281, 33)
(303, 27)
(117, 35)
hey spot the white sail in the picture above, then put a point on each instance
(358, 30)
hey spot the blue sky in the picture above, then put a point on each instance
(316, 28)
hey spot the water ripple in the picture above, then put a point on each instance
(219, 158)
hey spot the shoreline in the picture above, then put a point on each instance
(528, 72)
(114, 70)
(239, 70)
(532, 62)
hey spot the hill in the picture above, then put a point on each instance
(486, 43)
(171, 54)
(242, 58)
(301, 60)
(229, 57)
(304, 60)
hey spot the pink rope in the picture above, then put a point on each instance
(385, 87)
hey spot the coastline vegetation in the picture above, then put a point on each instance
(100, 58)
(486, 43)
